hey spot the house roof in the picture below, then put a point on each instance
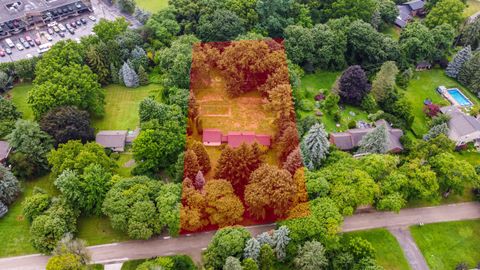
(234, 138)
(460, 124)
(415, 4)
(211, 135)
(4, 150)
(114, 139)
(351, 138)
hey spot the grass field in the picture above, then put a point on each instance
(473, 7)
(388, 251)
(423, 86)
(121, 108)
(392, 31)
(152, 5)
(19, 96)
(444, 245)
(322, 81)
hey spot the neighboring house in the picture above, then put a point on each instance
(424, 65)
(116, 140)
(214, 137)
(350, 139)
(463, 128)
(4, 151)
(408, 10)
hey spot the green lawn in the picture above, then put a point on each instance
(322, 81)
(473, 7)
(121, 108)
(392, 31)
(152, 5)
(388, 252)
(97, 230)
(423, 86)
(444, 245)
(19, 96)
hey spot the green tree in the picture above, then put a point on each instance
(423, 181)
(315, 146)
(36, 204)
(469, 75)
(67, 261)
(375, 141)
(249, 264)
(232, 263)
(30, 141)
(384, 81)
(221, 25)
(311, 256)
(471, 34)
(226, 242)
(163, 27)
(69, 245)
(453, 174)
(127, 6)
(416, 43)
(8, 116)
(266, 259)
(168, 205)
(97, 58)
(446, 12)
(9, 186)
(275, 15)
(354, 9)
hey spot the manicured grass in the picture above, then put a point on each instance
(14, 229)
(97, 230)
(19, 96)
(121, 108)
(473, 7)
(444, 245)
(392, 31)
(152, 5)
(322, 81)
(423, 86)
(388, 252)
(123, 170)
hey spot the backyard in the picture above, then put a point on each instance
(152, 5)
(473, 7)
(388, 251)
(444, 245)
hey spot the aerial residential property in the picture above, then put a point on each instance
(245, 134)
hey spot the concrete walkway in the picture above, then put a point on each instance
(412, 253)
(194, 244)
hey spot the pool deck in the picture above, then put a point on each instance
(453, 101)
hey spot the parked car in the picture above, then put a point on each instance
(38, 41)
(8, 51)
(49, 38)
(70, 30)
(19, 47)
(2, 52)
(56, 29)
(62, 27)
(61, 34)
(22, 40)
(72, 24)
(52, 24)
(9, 43)
(50, 31)
(83, 20)
(91, 17)
(30, 41)
(78, 23)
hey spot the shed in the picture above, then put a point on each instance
(4, 151)
(112, 139)
(424, 65)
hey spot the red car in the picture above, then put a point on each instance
(2, 52)
(38, 41)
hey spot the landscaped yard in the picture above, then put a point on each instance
(444, 245)
(423, 86)
(121, 108)
(152, 5)
(19, 96)
(388, 251)
(473, 7)
(322, 81)
(392, 31)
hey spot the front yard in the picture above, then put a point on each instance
(444, 245)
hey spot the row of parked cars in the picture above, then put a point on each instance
(26, 42)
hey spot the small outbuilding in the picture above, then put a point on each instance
(4, 151)
(116, 140)
(424, 65)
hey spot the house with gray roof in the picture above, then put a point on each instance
(116, 140)
(350, 139)
(408, 10)
(463, 128)
(4, 151)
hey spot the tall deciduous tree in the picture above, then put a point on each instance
(223, 206)
(375, 141)
(353, 85)
(221, 25)
(266, 258)
(315, 146)
(269, 189)
(446, 12)
(8, 116)
(453, 174)
(225, 243)
(459, 59)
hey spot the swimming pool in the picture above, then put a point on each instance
(459, 97)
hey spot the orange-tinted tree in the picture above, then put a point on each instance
(294, 161)
(190, 165)
(288, 142)
(192, 212)
(202, 156)
(299, 180)
(223, 207)
(236, 165)
(281, 102)
(270, 189)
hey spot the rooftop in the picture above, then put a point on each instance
(460, 124)
(113, 139)
(4, 150)
(17, 9)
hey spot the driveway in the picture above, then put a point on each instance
(194, 244)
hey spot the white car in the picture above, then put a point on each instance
(52, 24)
(49, 38)
(91, 17)
(19, 46)
(61, 27)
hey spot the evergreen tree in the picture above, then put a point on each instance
(294, 161)
(436, 131)
(470, 73)
(114, 73)
(199, 181)
(142, 76)
(202, 155)
(249, 264)
(232, 263)
(252, 249)
(138, 58)
(456, 64)
(265, 239)
(315, 146)
(128, 76)
(375, 141)
(281, 239)
(267, 257)
(9, 186)
(311, 256)
(190, 165)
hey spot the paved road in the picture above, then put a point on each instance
(410, 249)
(194, 244)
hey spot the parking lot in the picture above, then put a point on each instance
(100, 10)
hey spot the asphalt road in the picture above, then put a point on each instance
(194, 244)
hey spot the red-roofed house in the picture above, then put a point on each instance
(214, 137)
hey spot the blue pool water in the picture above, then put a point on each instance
(460, 97)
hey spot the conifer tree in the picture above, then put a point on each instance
(9, 186)
(375, 141)
(267, 257)
(199, 181)
(315, 146)
(142, 76)
(114, 73)
(252, 249)
(265, 239)
(456, 64)
(288, 142)
(202, 155)
(436, 131)
(249, 264)
(190, 165)
(232, 263)
(281, 239)
(294, 161)
(128, 75)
